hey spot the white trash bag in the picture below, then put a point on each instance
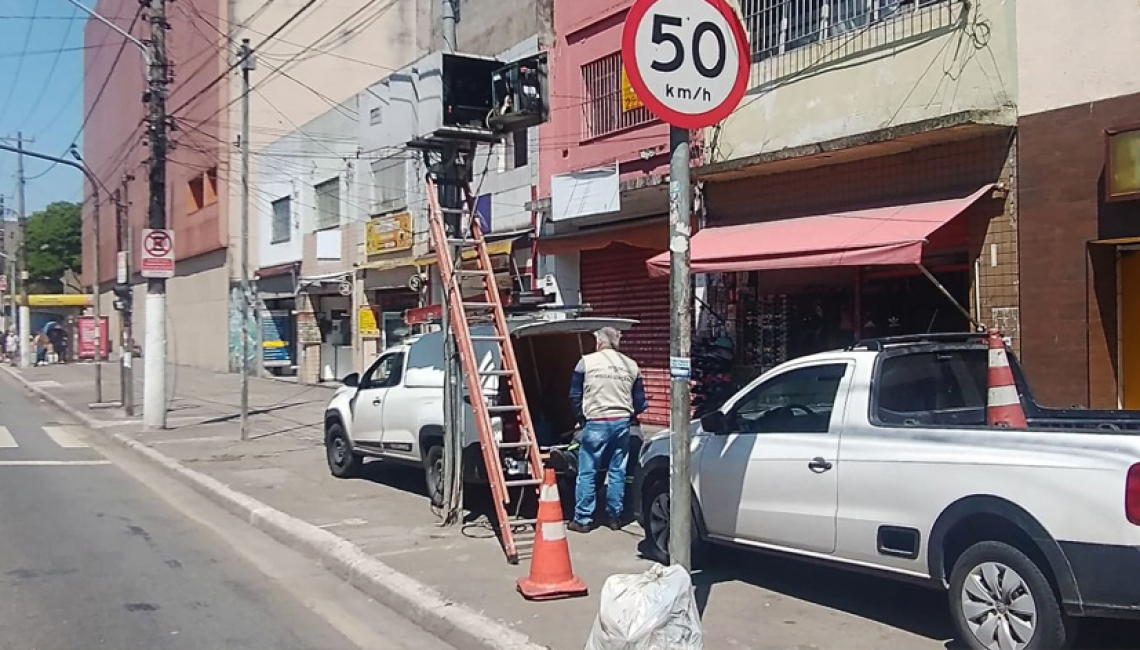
(654, 610)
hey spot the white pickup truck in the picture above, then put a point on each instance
(394, 411)
(879, 457)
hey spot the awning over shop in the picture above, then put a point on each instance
(502, 247)
(879, 236)
(648, 233)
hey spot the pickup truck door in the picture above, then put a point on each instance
(772, 475)
(368, 403)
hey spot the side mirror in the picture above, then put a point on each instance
(352, 380)
(714, 422)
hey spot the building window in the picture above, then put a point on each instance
(328, 204)
(779, 27)
(281, 221)
(603, 111)
(520, 148)
(202, 190)
(1122, 180)
(389, 185)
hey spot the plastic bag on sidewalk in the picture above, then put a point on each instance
(654, 610)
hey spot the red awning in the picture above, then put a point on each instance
(876, 237)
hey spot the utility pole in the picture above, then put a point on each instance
(247, 64)
(126, 297)
(154, 377)
(681, 327)
(24, 326)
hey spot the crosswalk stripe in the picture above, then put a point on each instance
(6, 439)
(53, 463)
(62, 437)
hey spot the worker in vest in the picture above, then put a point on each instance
(607, 394)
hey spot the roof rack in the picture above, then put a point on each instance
(947, 337)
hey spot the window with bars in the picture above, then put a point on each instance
(281, 231)
(328, 204)
(778, 27)
(609, 104)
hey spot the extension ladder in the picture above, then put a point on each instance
(515, 533)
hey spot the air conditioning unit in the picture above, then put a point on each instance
(519, 92)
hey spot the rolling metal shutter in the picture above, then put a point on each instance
(616, 283)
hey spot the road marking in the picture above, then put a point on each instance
(62, 437)
(47, 383)
(51, 463)
(6, 439)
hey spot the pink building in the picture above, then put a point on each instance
(603, 209)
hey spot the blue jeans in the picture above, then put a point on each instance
(603, 441)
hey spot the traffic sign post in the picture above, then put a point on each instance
(688, 62)
(157, 259)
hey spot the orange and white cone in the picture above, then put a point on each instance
(1003, 403)
(551, 576)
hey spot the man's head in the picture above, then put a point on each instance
(608, 338)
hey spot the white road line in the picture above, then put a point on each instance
(64, 438)
(6, 439)
(51, 463)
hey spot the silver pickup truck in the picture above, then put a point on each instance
(879, 457)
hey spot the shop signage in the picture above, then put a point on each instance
(388, 234)
(276, 338)
(157, 253)
(366, 323)
(688, 60)
(86, 330)
(56, 300)
(629, 99)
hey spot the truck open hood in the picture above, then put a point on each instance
(521, 329)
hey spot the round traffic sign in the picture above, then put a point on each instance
(687, 60)
(157, 243)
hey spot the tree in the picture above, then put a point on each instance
(55, 244)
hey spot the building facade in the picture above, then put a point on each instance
(1079, 213)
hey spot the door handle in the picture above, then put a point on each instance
(819, 465)
(376, 401)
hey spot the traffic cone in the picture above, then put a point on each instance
(551, 576)
(1003, 403)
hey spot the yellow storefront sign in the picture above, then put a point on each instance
(388, 233)
(367, 323)
(629, 99)
(56, 300)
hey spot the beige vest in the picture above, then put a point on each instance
(607, 391)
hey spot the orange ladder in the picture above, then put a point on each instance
(515, 532)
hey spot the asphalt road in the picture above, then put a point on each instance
(91, 558)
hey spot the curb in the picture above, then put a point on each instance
(450, 621)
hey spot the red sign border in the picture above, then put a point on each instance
(685, 120)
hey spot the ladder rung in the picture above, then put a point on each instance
(524, 481)
(461, 242)
(478, 305)
(496, 373)
(513, 445)
(472, 272)
(487, 338)
(523, 522)
(453, 211)
(509, 408)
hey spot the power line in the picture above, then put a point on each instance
(51, 71)
(20, 63)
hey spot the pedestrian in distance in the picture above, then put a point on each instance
(607, 393)
(41, 342)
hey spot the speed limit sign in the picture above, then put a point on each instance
(687, 60)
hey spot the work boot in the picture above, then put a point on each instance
(614, 523)
(579, 527)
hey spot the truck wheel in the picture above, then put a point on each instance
(433, 474)
(343, 462)
(655, 521)
(1001, 600)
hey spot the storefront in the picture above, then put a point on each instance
(277, 297)
(613, 282)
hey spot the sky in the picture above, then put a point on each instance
(41, 94)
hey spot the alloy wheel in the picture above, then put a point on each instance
(659, 521)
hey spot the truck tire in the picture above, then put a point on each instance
(433, 474)
(1000, 598)
(655, 521)
(343, 462)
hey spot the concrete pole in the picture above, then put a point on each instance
(154, 377)
(247, 64)
(24, 326)
(96, 300)
(680, 328)
(447, 25)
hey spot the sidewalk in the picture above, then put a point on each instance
(747, 601)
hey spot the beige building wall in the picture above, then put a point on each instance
(946, 58)
(1073, 52)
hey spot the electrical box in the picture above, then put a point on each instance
(519, 92)
(442, 97)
